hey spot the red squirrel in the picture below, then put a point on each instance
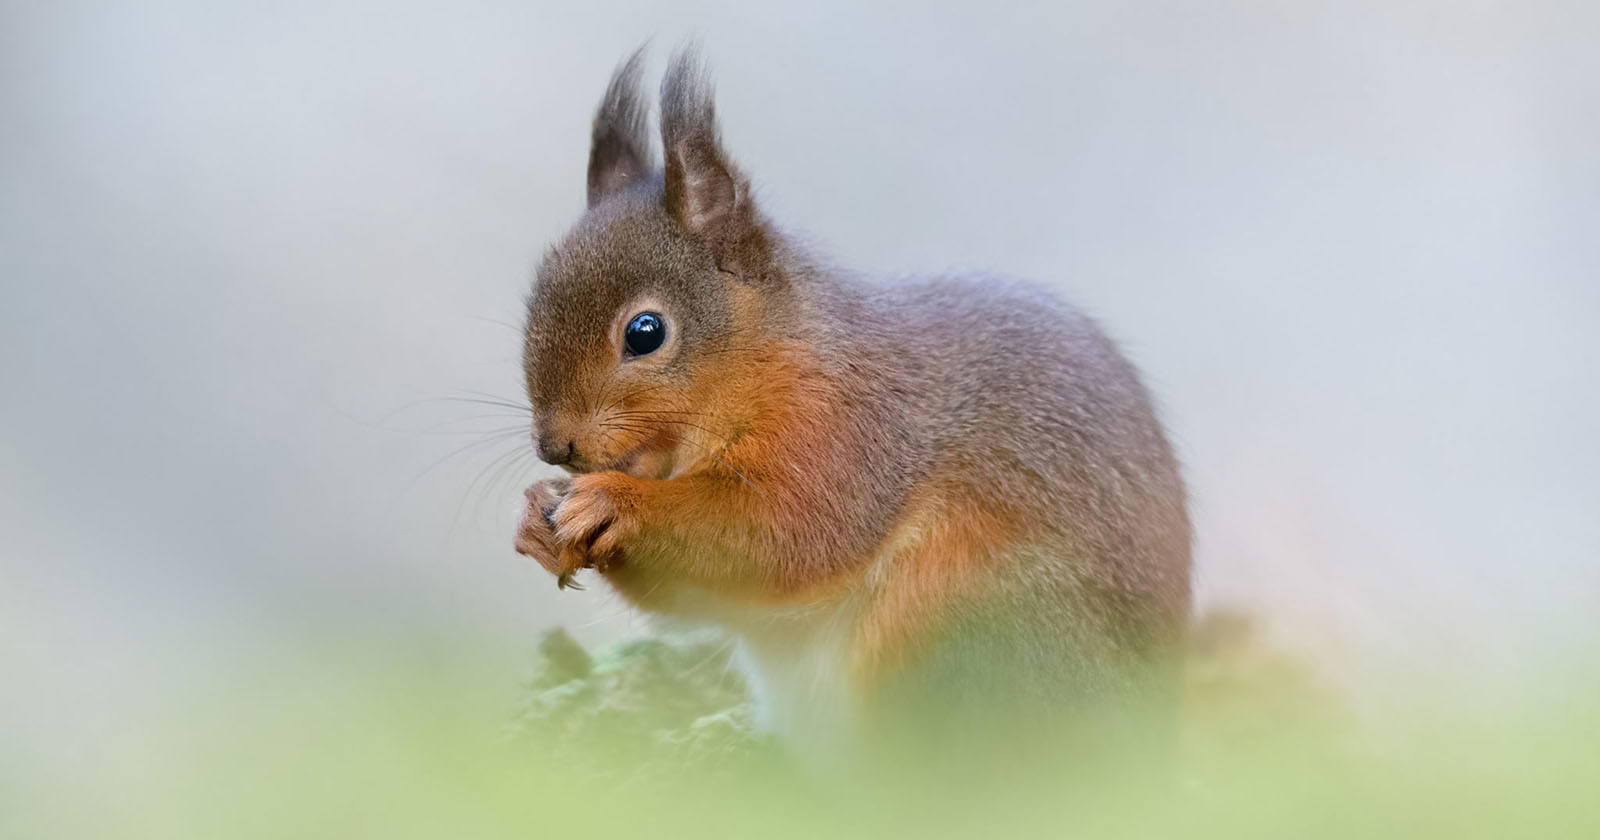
(945, 490)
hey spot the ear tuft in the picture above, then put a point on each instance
(619, 151)
(704, 191)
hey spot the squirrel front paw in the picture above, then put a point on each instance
(536, 531)
(592, 523)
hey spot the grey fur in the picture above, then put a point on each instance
(620, 153)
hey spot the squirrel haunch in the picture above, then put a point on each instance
(947, 490)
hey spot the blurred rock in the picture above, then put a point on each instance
(647, 704)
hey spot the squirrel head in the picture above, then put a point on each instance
(638, 316)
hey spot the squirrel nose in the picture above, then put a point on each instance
(556, 452)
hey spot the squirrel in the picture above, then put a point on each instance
(945, 491)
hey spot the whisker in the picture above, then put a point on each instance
(637, 429)
(508, 475)
(498, 461)
(499, 430)
(508, 325)
(650, 426)
(610, 437)
(714, 454)
(383, 421)
(672, 422)
(631, 395)
(493, 439)
(594, 397)
(437, 428)
(656, 411)
(493, 399)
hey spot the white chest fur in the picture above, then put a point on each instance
(795, 660)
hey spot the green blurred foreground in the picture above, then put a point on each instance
(652, 739)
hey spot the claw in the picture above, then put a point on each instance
(565, 581)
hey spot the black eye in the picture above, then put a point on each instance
(645, 334)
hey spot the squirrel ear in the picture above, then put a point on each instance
(704, 191)
(619, 151)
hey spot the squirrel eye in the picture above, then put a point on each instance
(644, 334)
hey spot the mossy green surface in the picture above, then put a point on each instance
(653, 738)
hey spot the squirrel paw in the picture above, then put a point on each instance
(536, 533)
(591, 524)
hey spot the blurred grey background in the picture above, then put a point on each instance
(246, 247)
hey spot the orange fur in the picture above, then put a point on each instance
(940, 553)
(733, 502)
